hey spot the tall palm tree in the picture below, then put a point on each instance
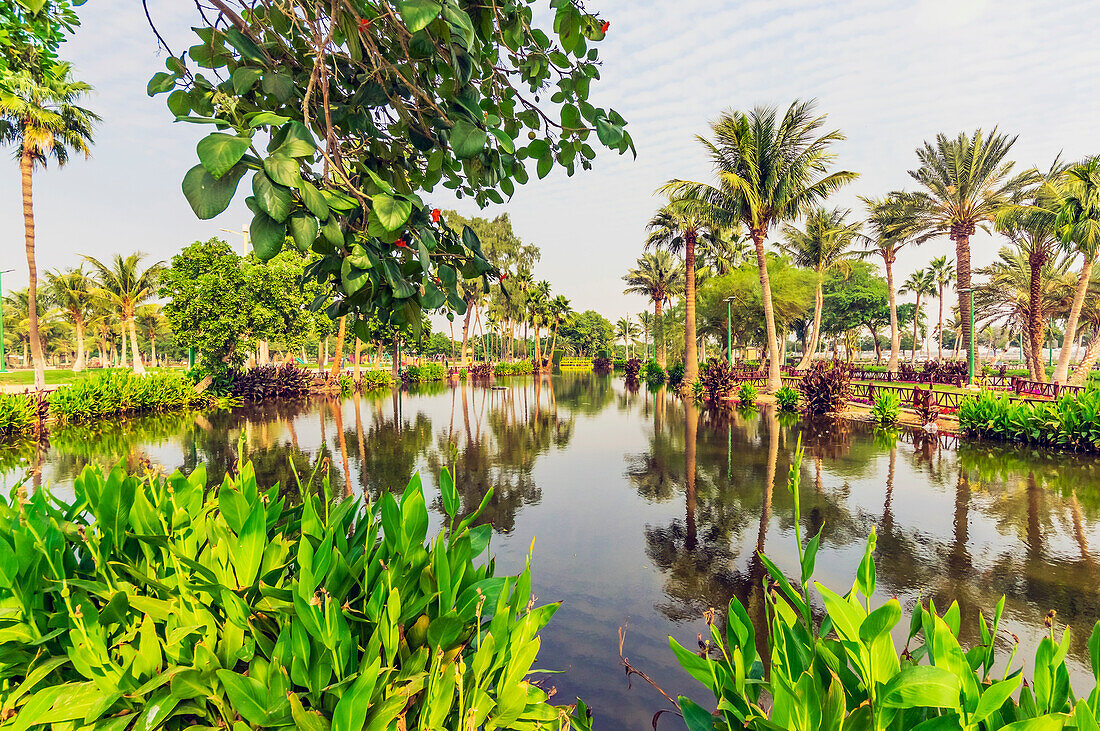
(124, 285)
(725, 250)
(150, 320)
(943, 276)
(645, 319)
(892, 226)
(628, 331)
(822, 245)
(39, 115)
(679, 226)
(660, 278)
(1032, 229)
(965, 182)
(71, 291)
(770, 169)
(919, 283)
(1078, 224)
(559, 309)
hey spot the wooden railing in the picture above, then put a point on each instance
(1022, 387)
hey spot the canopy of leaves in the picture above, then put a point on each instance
(854, 299)
(792, 298)
(345, 114)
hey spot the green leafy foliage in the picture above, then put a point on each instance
(167, 603)
(424, 373)
(259, 383)
(654, 374)
(886, 408)
(842, 670)
(746, 395)
(519, 368)
(18, 414)
(676, 374)
(371, 380)
(1071, 422)
(631, 368)
(825, 387)
(121, 393)
(786, 400)
(346, 115)
(717, 380)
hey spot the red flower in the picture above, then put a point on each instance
(401, 243)
(503, 276)
(435, 215)
(364, 24)
(605, 26)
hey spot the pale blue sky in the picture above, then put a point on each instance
(889, 74)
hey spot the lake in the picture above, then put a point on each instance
(644, 512)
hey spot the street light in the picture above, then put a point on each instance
(970, 358)
(3, 355)
(729, 329)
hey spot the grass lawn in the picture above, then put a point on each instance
(25, 377)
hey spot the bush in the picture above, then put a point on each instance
(601, 364)
(370, 380)
(698, 390)
(18, 414)
(463, 374)
(144, 599)
(481, 371)
(632, 367)
(424, 373)
(619, 364)
(519, 368)
(786, 399)
(746, 395)
(676, 375)
(118, 393)
(269, 381)
(845, 671)
(717, 380)
(654, 374)
(1071, 422)
(826, 387)
(887, 408)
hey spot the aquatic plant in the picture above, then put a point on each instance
(825, 387)
(520, 367)
(676, 374)
(263, 382)
(632, 367)
(746, 395)
(1071, 422)
(886, 408)
(424, 373)
(717, 378)
(481, 371)
(370, 380)
(842, 670)
(117, 393)
(654, 374)
(18, 414)
(169, 603)
(786, 400)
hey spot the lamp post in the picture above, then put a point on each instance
(3, 355)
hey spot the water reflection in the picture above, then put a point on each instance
(649, 510)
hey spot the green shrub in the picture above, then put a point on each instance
(1071, 422)
(842, 670)
(786, 400)
(632, 367)
(886, 409)
(269, 381)
(717, 380)
(424, 373)
(463, 374)
(698, 390)
(519, 368)
(676, 375)
(746, 395)
(18, 414)
(170, 604)
(619, 364)
(116, 393)
(370, 380)
(654, 374)
(825, 387)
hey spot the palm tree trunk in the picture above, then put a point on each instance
(78, 365)
(26, 167)
(895, 331)
(466, 330)
(1062, 370)
(774, 381)
(1035, 322)
(1091, 353)
(358, 352)
(554, 340)
(662, 354)
(691, 355)
(152, 349)
(691, 426)
(962, 277)
(939, 330)
(337, 360)
(139, 367)
(819, 302)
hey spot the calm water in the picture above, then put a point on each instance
(645, 512)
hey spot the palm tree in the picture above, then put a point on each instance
(1078, 224)
(943, 276)
(1032, 229)
(152, 322)
(628, 331)
(679, 226)
(770, 170)
(559, 309)
(892, 226)
(725, 250)
(966, 181)
(660, 278)
(71, 290)
(919, 283)
(123, 285)
(40, 117)
(824, 244)
(538, 313)
(645, 318)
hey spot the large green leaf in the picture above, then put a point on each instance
(922, 686)
(249, 550)
(267, 236)
(208, 195)
(303, 227)
(418, 13)
(313, 199)
(219, 152)
(283, 170)
(274, 199)
(467, 139)
(391, 212)
(247, 696)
